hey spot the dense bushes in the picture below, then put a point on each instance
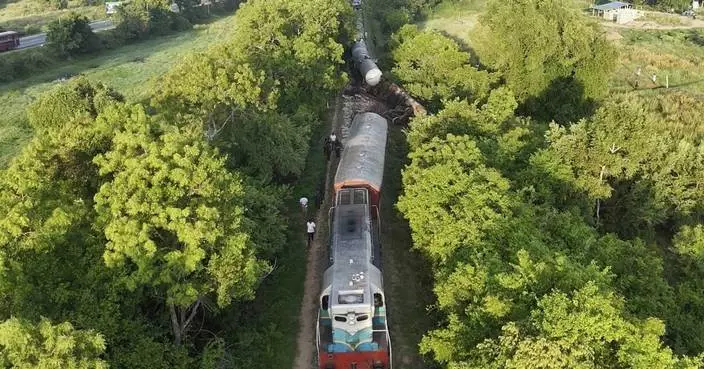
(556, 62)
(141, 18)
(142, 231)
(547, 248)
(20, 64)
(72, 35)
(395, 13)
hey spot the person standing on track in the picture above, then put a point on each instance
(311, 231)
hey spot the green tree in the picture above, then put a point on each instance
(553, 58)
(626, 164)
(254, 94)
(585, 330)
(690, 241)
(173, 217)
(24, 345)
(60, 108)
(433, 68)
(72, 35)
(139, 19)
(451, 198)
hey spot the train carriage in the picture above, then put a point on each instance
(352, 331)
(362, 161)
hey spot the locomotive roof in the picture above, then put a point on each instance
(351, 244)
(6, 33)
(362, 159)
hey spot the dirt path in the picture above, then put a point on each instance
(317, 253)
(685, 23)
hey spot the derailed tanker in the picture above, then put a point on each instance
(360, 55)
(365, 64)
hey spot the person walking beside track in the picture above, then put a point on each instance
(311, 231)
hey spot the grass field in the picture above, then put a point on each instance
(407, 276)
(676, 54)
(32, 16)
(456, 18)
(130, 69)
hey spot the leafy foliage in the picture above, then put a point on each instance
(126, 220)
(72, 35)
(527, 273)
(46, 346)
(622, 154)
(139, 19)
(172, 214)
(585, 330)
(247, 92)
(433, 68)
(551, 57)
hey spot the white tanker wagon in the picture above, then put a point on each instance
(360, 55)
(365, 64)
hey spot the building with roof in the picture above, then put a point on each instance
(616, 11)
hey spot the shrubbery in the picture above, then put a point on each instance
(140, 19)
(19, 64)
(144, 229)
(72, 35)
(552, 245)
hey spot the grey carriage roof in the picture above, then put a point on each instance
(362, 159)
(351, 249)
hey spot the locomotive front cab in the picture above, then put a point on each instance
(354, 336)
(352, 329)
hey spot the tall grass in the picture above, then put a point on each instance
(32, 16)
(130, 69)
(674, 55)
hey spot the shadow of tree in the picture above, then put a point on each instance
(5, 3)
(464, 46)
(695, 36)
(562, 101)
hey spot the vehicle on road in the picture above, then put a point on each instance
(9, 40)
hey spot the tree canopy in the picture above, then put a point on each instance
(72, 35)
(554, 59)
(46, 346)
(568, 244)
(148, 226)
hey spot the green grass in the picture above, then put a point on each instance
(455, 18)
(266, 336)
(32, 16)
(664, 19)
(407, 277)
(130, 69)
(673, 53)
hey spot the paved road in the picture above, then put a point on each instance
(39, 39)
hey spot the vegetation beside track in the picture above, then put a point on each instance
(530, 223)
(145, 227)
(132, 69)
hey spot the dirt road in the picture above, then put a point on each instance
(317, 255)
